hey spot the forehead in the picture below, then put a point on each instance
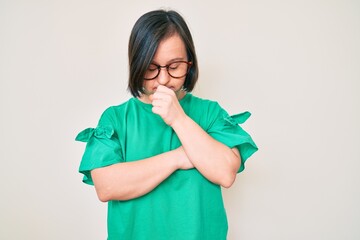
(170, 48)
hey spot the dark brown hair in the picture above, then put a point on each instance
(149, 30)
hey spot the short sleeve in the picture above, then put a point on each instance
(226, 129)
(102, 148)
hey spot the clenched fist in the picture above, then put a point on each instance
(166, 105)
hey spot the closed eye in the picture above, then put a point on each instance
(152, 67)
(174, 65)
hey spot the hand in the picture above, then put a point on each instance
(183, 160)
(166, 105)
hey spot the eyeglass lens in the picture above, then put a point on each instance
(175, 70)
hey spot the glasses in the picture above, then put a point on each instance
(176, 69)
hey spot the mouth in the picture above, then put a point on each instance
(153, 90)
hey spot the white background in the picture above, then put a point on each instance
(294, 64)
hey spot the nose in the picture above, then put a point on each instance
(163, 77)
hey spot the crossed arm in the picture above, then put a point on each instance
(214, 160)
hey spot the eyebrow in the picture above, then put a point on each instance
(171, 60)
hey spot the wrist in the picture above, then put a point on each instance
(179, 122)
(177, 158)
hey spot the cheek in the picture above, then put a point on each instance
(183, 81)
(179, 82)
(148, 84)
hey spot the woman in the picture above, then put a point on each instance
(160, 158)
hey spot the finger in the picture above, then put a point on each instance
(164, 89)
(157, 103)
(156, 110)
(160, 96)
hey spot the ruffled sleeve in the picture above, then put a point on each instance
(226, 129)
(102, 149)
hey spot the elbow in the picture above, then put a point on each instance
(231, 173)
(103, 195)
(228, 181)
(103, 199)
(106, 194)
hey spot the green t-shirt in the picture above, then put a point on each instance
(185, 206)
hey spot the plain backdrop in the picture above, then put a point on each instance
(294, 64)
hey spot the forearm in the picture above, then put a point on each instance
(128, 180)
(217, 162)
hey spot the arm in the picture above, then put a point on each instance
(217, 162)
(128, 180)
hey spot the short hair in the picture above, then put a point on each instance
(149, 30)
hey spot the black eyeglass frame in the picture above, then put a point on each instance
(158, 67)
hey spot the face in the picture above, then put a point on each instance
(169, 50)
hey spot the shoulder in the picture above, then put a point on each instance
(203, 111)
(114, 113)
(201, 101)
(116, 108)
(203, 104)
